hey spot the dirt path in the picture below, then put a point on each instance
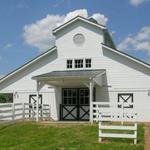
(147, 136)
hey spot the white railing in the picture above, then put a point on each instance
(15, 111)
(106, 112)
(99, 107)
(121, 134)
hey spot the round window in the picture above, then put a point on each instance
(79, 39)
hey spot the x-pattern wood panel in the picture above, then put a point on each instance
(32, 100)
(85, 112)
(125, 100)
(69, 112)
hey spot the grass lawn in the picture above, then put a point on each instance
(32, 136)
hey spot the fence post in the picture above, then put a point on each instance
(100, 131)
(42, 109)
(135, 133)
(97, 112)
(13, 111)
(23, 111)
(49, 112)
(32, 114)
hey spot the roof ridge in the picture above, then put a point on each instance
(78, 16)
(130, 56)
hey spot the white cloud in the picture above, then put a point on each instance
(39, 34)
(112, 32)
(138, 42)
(79, 12)
(8, 45)
(137, 2)
(1, 76)
(101, 19)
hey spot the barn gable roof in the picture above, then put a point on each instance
(77, 18)
(28, 63)
(108, 44)
(126, 55)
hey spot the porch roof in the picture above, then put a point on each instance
(70, 74)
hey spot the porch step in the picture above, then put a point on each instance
(65, 122)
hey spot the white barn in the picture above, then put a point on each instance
(84, 66)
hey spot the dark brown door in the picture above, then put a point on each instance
(75, 104)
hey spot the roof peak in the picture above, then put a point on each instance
(90, 20)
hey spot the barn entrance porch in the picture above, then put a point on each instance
(77, 92)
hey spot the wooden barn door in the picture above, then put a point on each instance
(75, 104)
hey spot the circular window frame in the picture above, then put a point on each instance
(79, 39)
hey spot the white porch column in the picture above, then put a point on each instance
(37, 102)
(91, 100)
(39, 85)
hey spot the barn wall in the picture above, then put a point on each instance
(90, 48)
(122, 74)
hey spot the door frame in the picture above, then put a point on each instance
(76, 106)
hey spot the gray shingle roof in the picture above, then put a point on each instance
(69, 74)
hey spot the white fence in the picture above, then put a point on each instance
(15, 111)
(104, 112)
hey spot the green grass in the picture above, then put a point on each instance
(32, 136)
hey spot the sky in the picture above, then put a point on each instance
(26, 25)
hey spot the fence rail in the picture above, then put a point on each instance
(104, 112)
(121, 134)
(15, 111)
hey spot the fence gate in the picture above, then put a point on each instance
(33, 101)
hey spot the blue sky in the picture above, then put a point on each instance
(23, 35)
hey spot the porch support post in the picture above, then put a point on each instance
(91, 100)
(37, 102)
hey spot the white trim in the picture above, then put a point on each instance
(27, 64)
(37, 100)
(127, 56)
(76, 18)
(91, 86)
(84, 63)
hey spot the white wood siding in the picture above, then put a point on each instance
(90, 48)
(122, 75)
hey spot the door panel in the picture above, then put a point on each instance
(69, 112)
(83, 104)
(84, 112)
(83, 97)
